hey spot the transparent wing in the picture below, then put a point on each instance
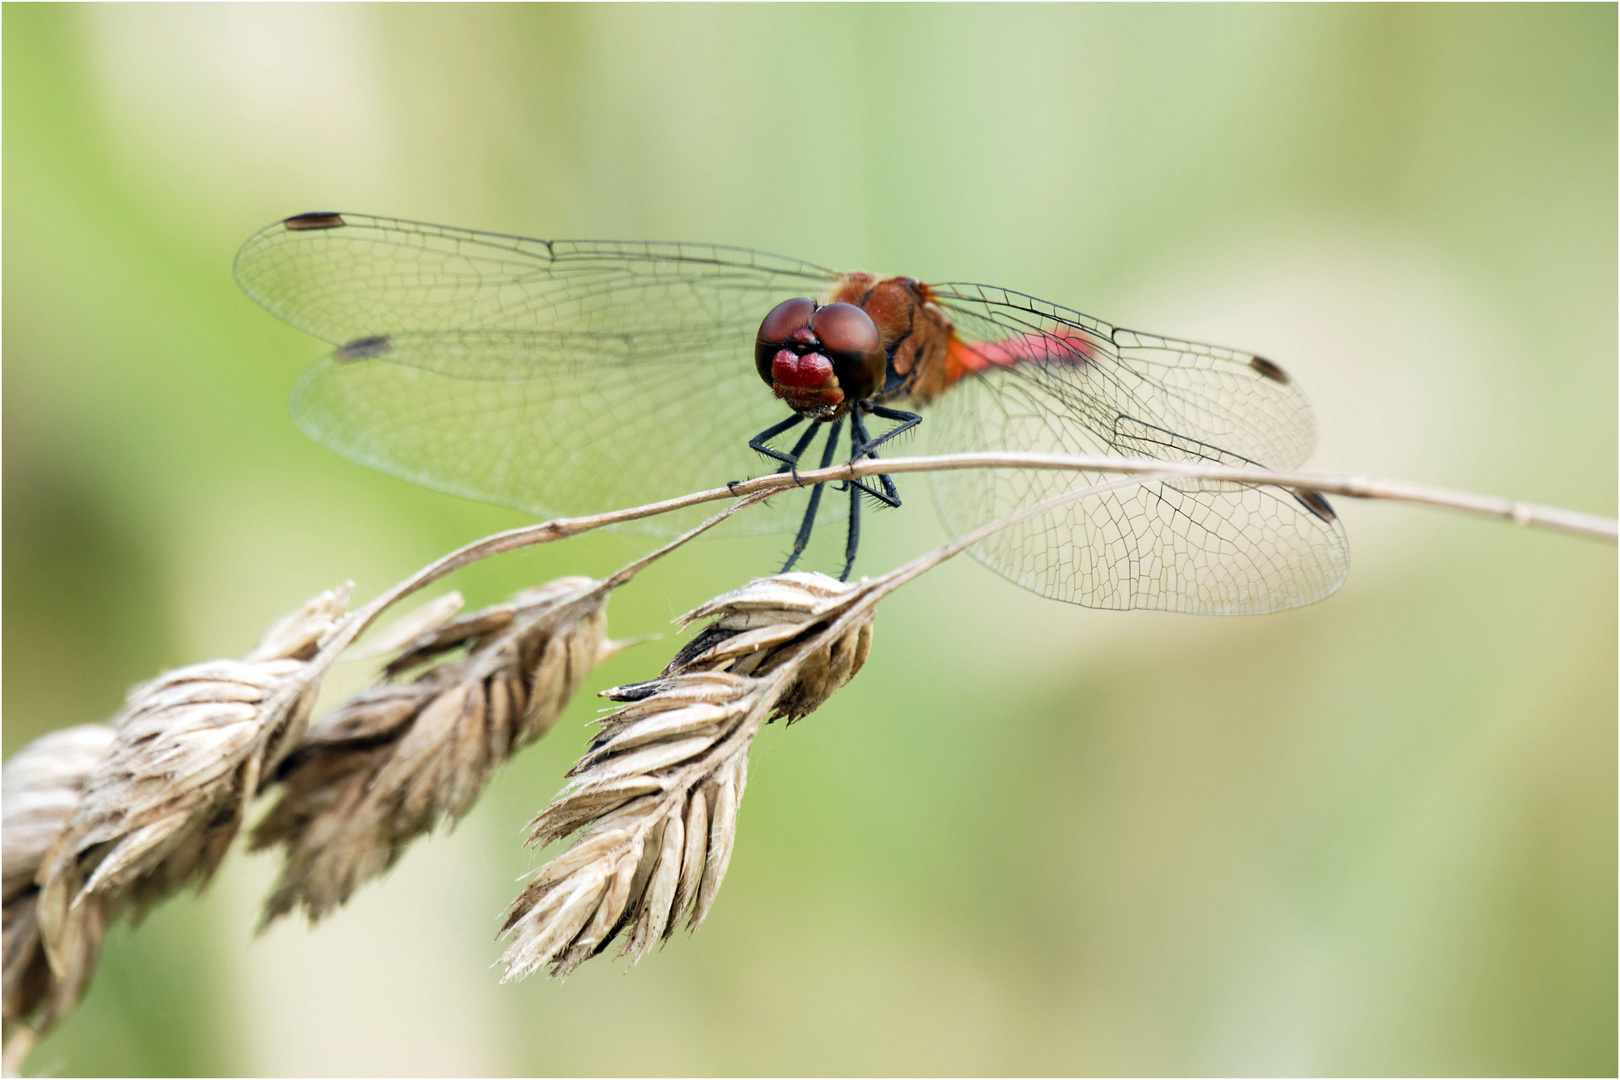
(343, 277)
(1046, 379)
(553, 376)
(1143, 395)
(553, 423)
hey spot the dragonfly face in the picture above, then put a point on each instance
(819, 358)
(575, 376)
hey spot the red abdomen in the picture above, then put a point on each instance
(1064, 346)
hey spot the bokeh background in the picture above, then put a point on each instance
(1377, 835)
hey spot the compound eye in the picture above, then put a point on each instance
(784, 319)
(846, 329)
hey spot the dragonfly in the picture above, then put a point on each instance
(576, 376)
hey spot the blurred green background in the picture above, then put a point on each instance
(1377, 835)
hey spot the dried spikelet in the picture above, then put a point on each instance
(401, 758)
(43, 786)
(755, 626)
(654, 801)
(190, 747)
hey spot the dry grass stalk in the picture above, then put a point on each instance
(1353, 485)
(161, 809)
(401, 758)
(655, 799)
(43, 786)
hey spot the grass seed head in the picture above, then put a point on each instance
(758, 626)
(43, 785)
(399, 759)
(653, 803)
(190, 747)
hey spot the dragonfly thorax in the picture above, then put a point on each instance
(915, 333)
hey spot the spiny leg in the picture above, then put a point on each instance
(805, 440)
(790, 461)
(809, 522)
(907, 421)
(758, 442)
(856, 437)
(862, 447)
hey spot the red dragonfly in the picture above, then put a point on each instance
(574, 376)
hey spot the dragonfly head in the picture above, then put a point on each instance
(819, 357)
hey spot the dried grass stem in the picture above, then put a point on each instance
(1353, 485)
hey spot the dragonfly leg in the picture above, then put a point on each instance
(809, 521)
(805, 440)
(861, 446)
(907, 421)
(853, 544)
(757, 443)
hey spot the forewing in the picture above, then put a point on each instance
(344, 277)
(1055, 381)
(553, 376)
(553, 423)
